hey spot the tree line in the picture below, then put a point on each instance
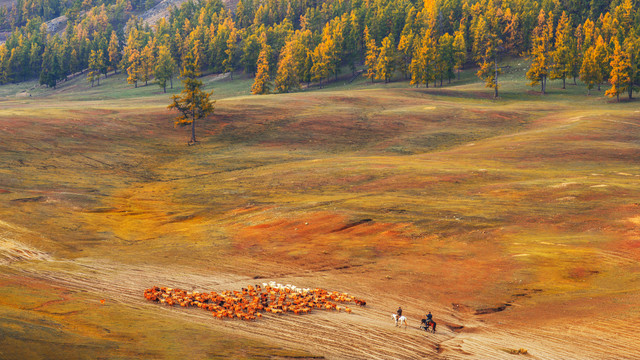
(19, 12)
(286, 43)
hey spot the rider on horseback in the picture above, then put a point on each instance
(426, 323)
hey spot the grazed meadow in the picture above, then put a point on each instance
(515, 221)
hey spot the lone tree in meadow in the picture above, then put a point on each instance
(192, 103)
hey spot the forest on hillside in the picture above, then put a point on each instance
(285, 43)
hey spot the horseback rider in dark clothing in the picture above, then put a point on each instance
(428, 322)
(399, 312)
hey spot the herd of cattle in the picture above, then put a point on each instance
(251, 302)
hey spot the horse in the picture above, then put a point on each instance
(402, 320)
(426, 324)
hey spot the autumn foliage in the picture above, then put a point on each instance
(302, 41)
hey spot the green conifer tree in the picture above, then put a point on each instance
(192, 103)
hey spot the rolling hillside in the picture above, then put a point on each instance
(514, 221)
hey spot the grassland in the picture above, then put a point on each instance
(509, 218)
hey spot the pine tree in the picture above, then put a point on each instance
(250, 52)
(147, 62)
(386, 64)
(632, 47)
(405, 52)
(352, 41)
(73, 62)
(561, 55)
(35, 58)
(601, 53)
(513, 32)
(175, 46)
(130, 53)
(103, 61)
(620, 71)
(165, 68)
(94, 68)
(323, 56)
(371, 58)
(232, 45)
(302, 42)
(287, 75)
(485, 45)
(49, 74)
(196, 48)
(539, 70)
(4, 60)
(624, 15)
(241, 15)
(589, 70)
(261, 84)
(459, 52)
(192, 103)
(576, 53)
(588, 33)
(480, 34)
(17, 64)
(114, 52)
(422, 64)
(337, 51)
(326, 56)
(134, 68)
(416, 68)
(217, 47)
(308, 65)
(446, 57)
